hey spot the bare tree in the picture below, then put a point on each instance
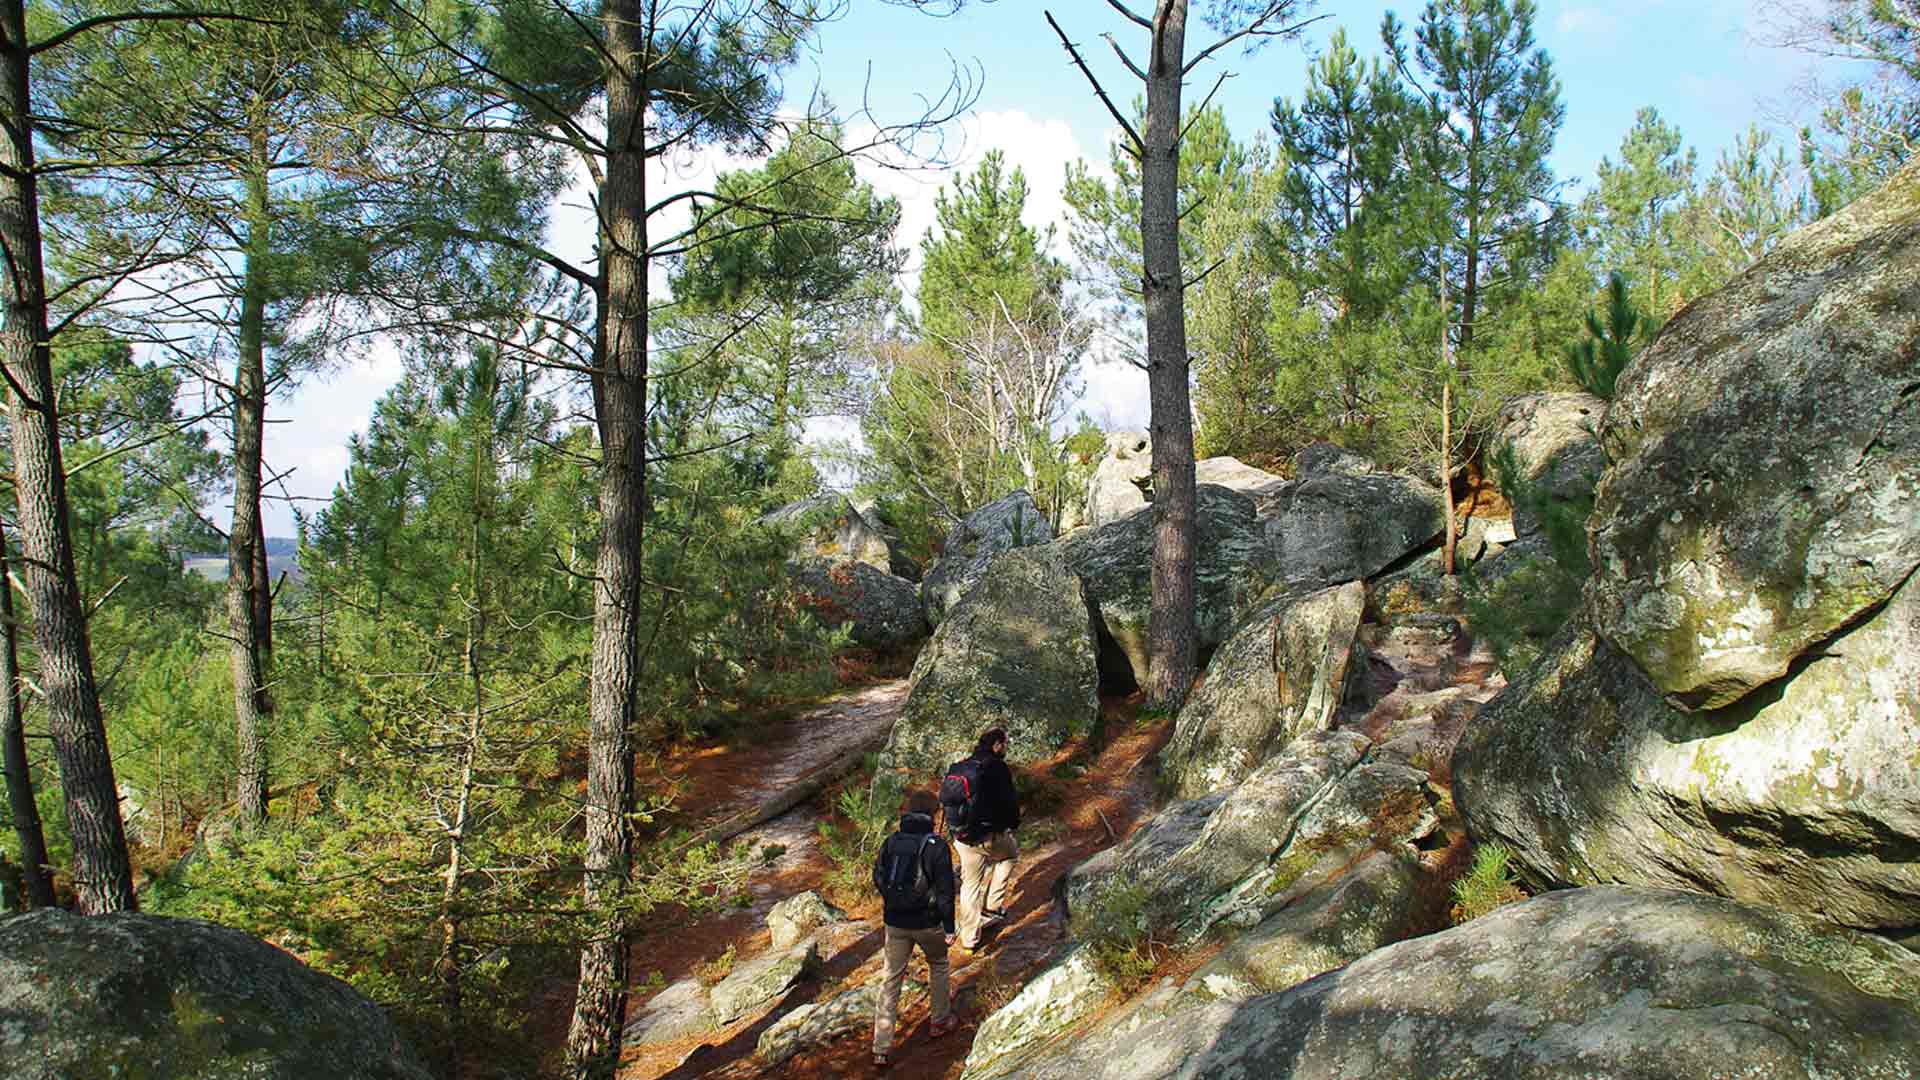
(1163, 284)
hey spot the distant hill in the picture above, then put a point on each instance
(282, 557)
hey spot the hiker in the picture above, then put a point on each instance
(983, 834)
(914, 873)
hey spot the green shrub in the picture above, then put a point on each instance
(1516, 614)
(1122, 928)
(1488, 884)
(1597, 361)
(851, 846)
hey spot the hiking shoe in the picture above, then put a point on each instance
(995, 916)
(943, 1026)
(880, 1061)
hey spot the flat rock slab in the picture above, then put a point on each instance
(680, 1011)
(1602, 983)
(763, 980)
(820, 1023)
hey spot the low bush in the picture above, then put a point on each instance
(1487, 885)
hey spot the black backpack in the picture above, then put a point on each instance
(905, 883)
(960, 799)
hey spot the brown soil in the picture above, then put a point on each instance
(1095, 808)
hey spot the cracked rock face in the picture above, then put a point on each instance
(1764, 489)
(1232, 566)
(1000, 526)
(1281, 675)
(1605, 982)
(1807, 800)
(142, 995)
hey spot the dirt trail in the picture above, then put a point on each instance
(1067, 820)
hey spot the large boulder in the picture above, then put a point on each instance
(1236, 475)
(141, 995)
(899, 563)
(815, 1025)
(1017, 652)
(882, 611)
(1555, 442)
(1119, 482)
(1607, 983)
(1764, 490)
(1231, 568)
(1234, 858)
(1806, 798)
(1333, 525)
(1000, 526)
(829, 527)
(1282, 674)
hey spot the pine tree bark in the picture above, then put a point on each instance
(1170, 621)
(36, 875)
(249, 602)
(620, 396)
(102, 874)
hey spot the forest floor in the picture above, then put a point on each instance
(1083, 799)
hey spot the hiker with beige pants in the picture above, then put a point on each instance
(914, 876)
(982, 830)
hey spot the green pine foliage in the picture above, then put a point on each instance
(1597, 361)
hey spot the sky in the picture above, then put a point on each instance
(1702, 63)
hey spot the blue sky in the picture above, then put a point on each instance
(1700, 62)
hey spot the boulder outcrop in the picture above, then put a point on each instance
(1601, 982)
(142, 995)
(1231, 568)
(1118, 485)
(1555, 442)
(830, 528)
(1282, 674)
(1764, 486)
(1333, 525)
(1000, 526)
(1806, 800)
(1016, 652)
(881, 611)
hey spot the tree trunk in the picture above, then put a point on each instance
(37, 875)
(102, 874)
(620, 393)
(448, 965)
(1170, 625)
(1446, 428)
(249, 601)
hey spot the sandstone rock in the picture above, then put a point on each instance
(1000, 526)
(1281, 675)
(883, 610)
(680, 1011)
(1231, 568)
(1419, 587)
(1604, 982)
(899, 563)
(1244, 856)
(1764, 490)
(762, 980)
(1325, 457)
(1054, 1001)
(1332, 526)
(1115, 490)
(794, 919)
(1235, 475)
(818, 1024)
(1367, 908)
(830, 528)
(141, 995)
(1017, 652)
(1555, 438)
(1806, 799)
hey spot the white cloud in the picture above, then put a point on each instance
(1588, 22)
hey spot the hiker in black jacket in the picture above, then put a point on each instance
(987, 850)
(914, 873)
